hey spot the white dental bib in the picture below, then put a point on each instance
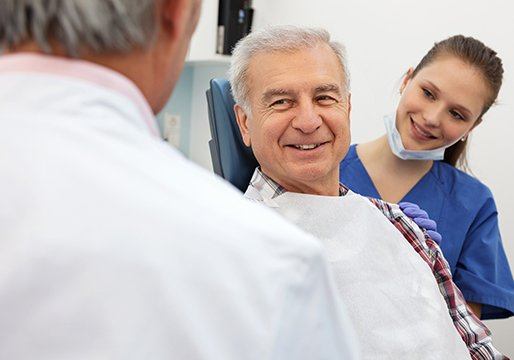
(390, 292)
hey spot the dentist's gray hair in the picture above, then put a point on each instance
(97, 25)
(286, 38)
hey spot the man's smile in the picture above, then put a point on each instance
(307, 146)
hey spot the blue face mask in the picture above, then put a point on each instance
(395, 142)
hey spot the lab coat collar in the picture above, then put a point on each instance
(83, 70)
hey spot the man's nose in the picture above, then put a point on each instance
(307, 119)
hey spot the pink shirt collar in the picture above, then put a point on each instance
(84, 70)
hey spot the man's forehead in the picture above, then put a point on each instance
(311, 69)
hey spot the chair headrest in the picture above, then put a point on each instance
(231, 158)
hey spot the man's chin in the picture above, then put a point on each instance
(306, 177)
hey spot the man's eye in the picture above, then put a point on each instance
(456, 115)
(428, 94)
(326, 100)
(281, 104)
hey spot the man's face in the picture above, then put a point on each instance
(298, 125)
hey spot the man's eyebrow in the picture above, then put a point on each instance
(328, 88)
(271, 93)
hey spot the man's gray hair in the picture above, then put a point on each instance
(98, 25)
(286, 38)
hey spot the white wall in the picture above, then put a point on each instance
(383, 39)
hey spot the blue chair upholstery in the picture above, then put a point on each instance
(231, 159)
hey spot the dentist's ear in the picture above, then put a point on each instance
(178, 17)
(242, 121)
(406, 79)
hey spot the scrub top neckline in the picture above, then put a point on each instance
(353, 152)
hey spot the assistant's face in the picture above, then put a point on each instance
(440, 104)
(299, 122)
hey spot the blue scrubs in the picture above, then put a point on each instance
(466, 217)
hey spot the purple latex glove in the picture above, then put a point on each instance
(420, 217)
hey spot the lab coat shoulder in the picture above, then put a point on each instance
(234, 214)
(261, 227)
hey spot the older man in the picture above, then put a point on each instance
(293, 106)
(113, 245)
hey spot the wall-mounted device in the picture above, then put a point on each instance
(234, 23)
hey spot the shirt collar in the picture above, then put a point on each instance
(270, 189)
(83, 70)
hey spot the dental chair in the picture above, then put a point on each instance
(231, 159)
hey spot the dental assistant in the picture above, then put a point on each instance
(442, 100)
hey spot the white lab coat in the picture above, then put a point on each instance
(113, 246)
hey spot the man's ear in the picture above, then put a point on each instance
(406, 79)
(242, 121)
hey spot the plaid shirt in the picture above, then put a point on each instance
(472, 331)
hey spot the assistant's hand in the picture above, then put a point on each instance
(420, 217)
